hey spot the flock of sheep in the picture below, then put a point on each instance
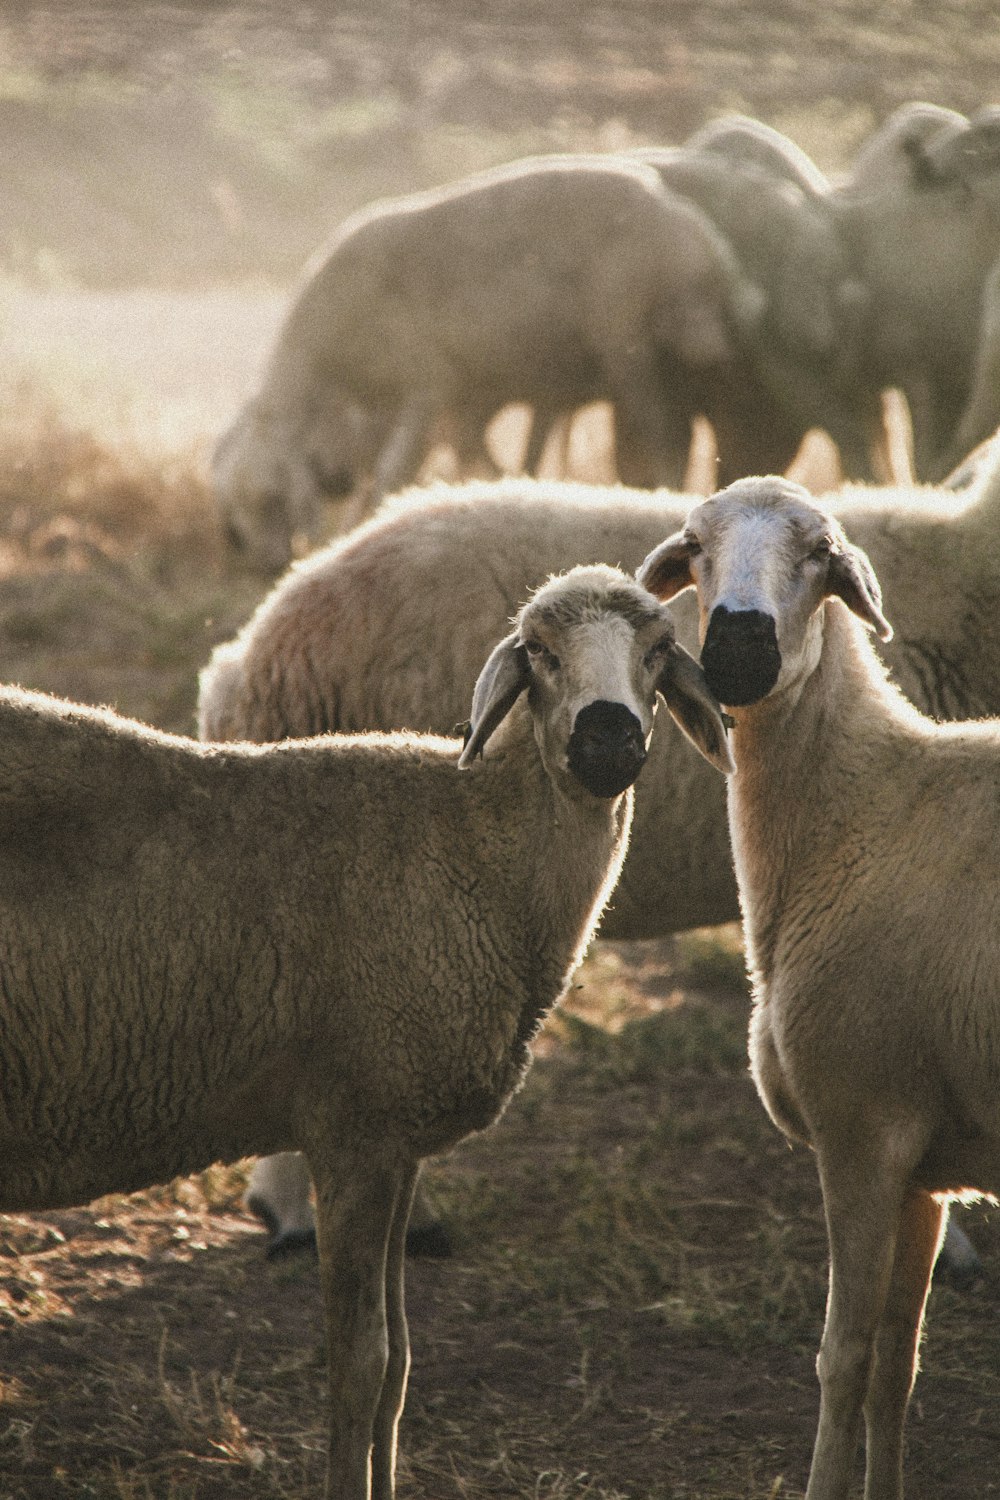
(189, 965)
(726, 279)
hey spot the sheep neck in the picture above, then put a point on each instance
(564, 857)
(797, 754)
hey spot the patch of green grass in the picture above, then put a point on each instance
(712, 958)
(687, 1037)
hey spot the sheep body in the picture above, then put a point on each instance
(747, 142)
(885, 158)
(796, 367)
(385, 628)
(864, 839)
(190, 971)
(919, 219)
(116, 863)
(553, 281)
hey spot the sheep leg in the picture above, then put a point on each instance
(543, 419)
(921, 1228)
(465, 433)
(863, 1197)
(652, 439)
(279, 1193)
(401, 456)
(358, 1197)
(390, 1407)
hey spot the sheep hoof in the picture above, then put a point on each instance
(432, 1240)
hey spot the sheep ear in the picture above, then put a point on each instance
(667, 569)
(924, 170)
(501, 682)
(851, 578)
(695, 709)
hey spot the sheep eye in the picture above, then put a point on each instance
(823, 548)
(541, 653)
(692, 544)
(658, 650)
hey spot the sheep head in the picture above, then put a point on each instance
(273, 469)
(763, 558)
(591, 649)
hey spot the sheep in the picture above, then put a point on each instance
(981, 414)
(190, 971)
(970, 158)
(864, 839)
(919, 220)
(915, 225)
(798, 365)
(744, 141)
(552, 281)
(885, 160)
(385, 628)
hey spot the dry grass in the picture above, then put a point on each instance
(115, 583)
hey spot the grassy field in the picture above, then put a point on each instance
(635, 1299)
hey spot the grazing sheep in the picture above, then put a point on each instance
(553, 281)
(190, 971)
(864, 837)
(746, 142)
(386, 627)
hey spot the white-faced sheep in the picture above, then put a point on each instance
(190, 970)
(386, 628)
(864, 837)
(553, 281)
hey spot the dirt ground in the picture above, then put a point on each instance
(634, 1299)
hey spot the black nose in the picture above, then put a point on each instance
(607, 748)
(740, 656)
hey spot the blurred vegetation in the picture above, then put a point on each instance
(115, 582)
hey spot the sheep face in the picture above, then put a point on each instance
(591, 650)
(763, 558)
(271, 475)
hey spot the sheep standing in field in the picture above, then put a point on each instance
(190, 970)
(981, 415)
(970, 160)
(797, 367)
(919, 219)
(386, 628)
(864, 838)
(553, 281)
